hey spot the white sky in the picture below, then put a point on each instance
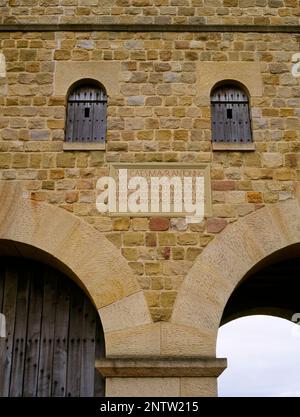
(263, 355)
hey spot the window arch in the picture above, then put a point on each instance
(86, 114)
(230, 114)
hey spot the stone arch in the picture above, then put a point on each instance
(230, 81)
(32, 229)
(238, 249)
(85, 81)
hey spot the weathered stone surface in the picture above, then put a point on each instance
(272, 160)
(167, 239)
(121, 224)
(215, 225)
(159, 223)
(158, 111)
(72, 196)
(66, 238)
(187, 239)
(223, 185)
(143, 387)
(133, 239)
(149, 11)
(179, 224)
(254, 197)
(2, 66)
(139, 224)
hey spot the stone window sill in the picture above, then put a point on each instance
(219, 146)
(83, 146)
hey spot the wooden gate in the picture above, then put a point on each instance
(53, 334)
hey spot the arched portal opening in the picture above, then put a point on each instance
(263, 357)
(53, 334)
(259, 334)
(271, 287)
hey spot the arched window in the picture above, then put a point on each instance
(230, 113)
(86, 114)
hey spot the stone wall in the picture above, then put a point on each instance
(158, 113)
(261, 12)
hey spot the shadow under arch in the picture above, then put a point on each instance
(271, 288)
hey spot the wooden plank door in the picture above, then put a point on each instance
(33, 333)
(10, 277)
(60, 353)
(54, 334)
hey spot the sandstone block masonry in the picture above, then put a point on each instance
(259, 12)
(157, 114)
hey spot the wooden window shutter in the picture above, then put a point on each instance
(230, 114)
(86, 115)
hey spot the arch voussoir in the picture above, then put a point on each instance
(92, 259)
(228, 258)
